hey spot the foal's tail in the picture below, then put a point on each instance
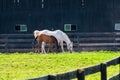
(33, 42)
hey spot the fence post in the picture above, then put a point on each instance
(80, 74)
(52, 77)
(6, 44)
(103, 71)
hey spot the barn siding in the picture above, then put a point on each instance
(88, 15)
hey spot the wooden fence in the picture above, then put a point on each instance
(16, 42)
(82, 41)
(81, 73)
(96, 41)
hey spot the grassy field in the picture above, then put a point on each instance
(20, 66)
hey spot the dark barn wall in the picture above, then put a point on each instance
(97, 15)
(88, 15)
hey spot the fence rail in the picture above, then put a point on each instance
(82, 41)
(16, 42)
(116, 77)
(81, 73)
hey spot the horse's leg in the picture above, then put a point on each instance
(61, 44)
(54, 47)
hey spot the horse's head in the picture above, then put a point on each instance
(36, 33)
(70, 47)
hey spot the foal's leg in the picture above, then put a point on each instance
(37, 48)
(49, 48)
(43, 47)
(54, 47)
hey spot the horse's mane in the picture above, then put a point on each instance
(65, 36)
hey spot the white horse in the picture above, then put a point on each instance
(59, 35)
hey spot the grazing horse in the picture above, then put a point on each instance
(59, 35)
(42, 39)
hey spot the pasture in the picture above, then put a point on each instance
(17, 66)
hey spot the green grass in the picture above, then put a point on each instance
(17, 66)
